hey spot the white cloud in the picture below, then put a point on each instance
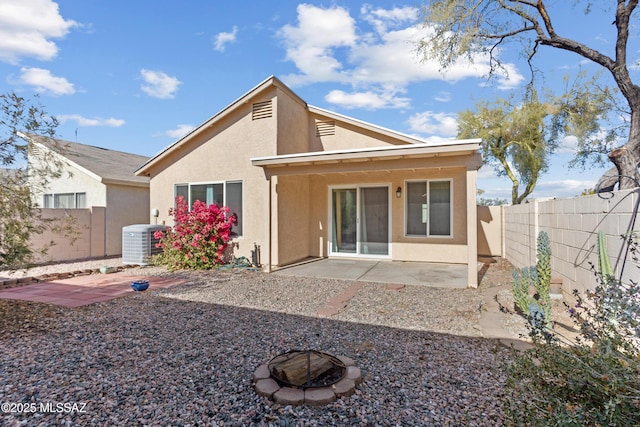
(367, 100)
(45, 82)
(180, 131)
(430, 123)
(561, 188)
(158, 84)
(442, 96)
(222, 39)
(27, 27)
(327, 45)
(381, 19)
(310, 44)
(87, 122)
(568, 145)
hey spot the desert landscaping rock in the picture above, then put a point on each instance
(188, 355)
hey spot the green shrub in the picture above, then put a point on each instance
(593, 380)
(538, 309)
(521, 284)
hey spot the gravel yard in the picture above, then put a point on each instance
(186, 355)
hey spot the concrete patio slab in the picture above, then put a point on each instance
(346, 269)
(399, 272)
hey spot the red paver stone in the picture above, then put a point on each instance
(395, 286)
(319, 396)
(344, 387)
(289, 396)
(262, 373)
(354, 373)
(266, 387)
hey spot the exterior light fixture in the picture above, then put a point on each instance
(399, 192)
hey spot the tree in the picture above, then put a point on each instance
(514, 140)
(19, 216)
(483, 201)
(464, 28)
(519, 137)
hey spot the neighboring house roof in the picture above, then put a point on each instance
(273, 81)
(106, 166)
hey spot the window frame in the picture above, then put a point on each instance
(224, 183)
(428, 234)
(50, 200)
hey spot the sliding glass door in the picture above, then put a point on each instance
(360, 221)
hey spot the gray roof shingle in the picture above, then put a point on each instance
(110, 165)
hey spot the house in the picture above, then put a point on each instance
(94, 177)
(307, 182)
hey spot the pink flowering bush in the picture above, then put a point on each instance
(197, 240)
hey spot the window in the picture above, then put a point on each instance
(65, 200)
(228, 193)
(48, 201)
(428, 209)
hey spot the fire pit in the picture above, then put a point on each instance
(307, 376)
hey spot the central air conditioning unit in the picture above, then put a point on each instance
(138, 243)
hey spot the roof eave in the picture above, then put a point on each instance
(270, 81)
(460, 148)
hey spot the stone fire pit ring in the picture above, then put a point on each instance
(265, 385)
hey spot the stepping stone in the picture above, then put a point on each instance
(345, 387)
(289, 396)
(354, 374)
(319, 396)
(262, 373)
(347, 361)
(266, 387)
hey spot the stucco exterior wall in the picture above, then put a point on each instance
(223, 153)
(292, 120)
(126, 205)
(88, 235)
(346, 136)
(293, 199)
(490, 231)
(286, 204)
(78, 182)
(441, 249)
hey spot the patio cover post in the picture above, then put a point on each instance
(472, 232)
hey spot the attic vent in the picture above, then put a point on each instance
(262, 110)
(325, 128)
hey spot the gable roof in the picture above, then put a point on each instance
(273, 81)
(270, 81)
(106, 166)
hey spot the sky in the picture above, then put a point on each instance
(135, 76)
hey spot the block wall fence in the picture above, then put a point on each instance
(572, 225)
(89, 238)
